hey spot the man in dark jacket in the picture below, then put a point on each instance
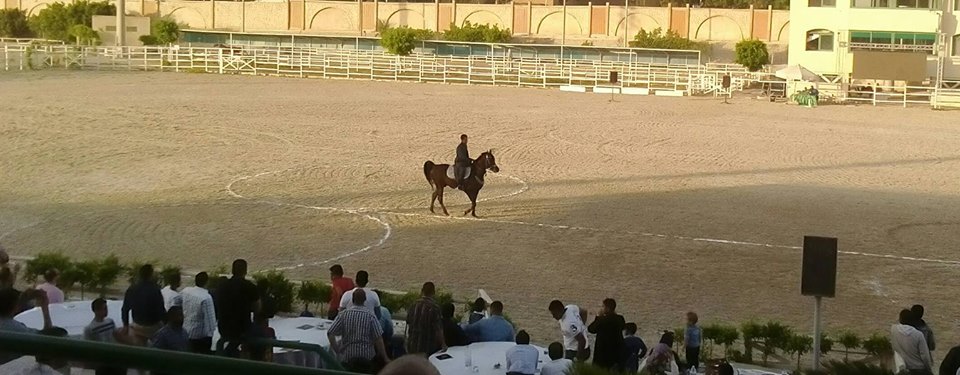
(462, 164)
(951, 363)
(608, 326)
(922, 326)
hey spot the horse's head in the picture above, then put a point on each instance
(489, 161)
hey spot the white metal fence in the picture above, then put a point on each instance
(328, 63)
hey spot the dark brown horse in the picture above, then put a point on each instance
(436, 175)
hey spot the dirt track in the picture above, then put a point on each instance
(632, 199)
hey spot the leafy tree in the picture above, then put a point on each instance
(37, 266)
(752, 54)
(165, 30)
(752, 332)
(774, 336)
(108, 272)
(57, 20)
(313, 292)
(402, 40)
(850, 341)
(798, 345)
(276, 285)
(669, 40)
(13, 24)
(83, 273)
(826, 343)
(84, 35)
(877, 345)
(477, 33)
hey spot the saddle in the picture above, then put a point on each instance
(450, 175)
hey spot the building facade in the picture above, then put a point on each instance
(893, 40)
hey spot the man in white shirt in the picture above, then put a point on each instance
(103, 329)
(523, 358)
(199, 316)
(911, 345)
(170, 295)
(557, 365)
(572, 329)
(373, 299)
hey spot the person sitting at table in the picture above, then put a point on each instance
(261, 330)
(361, 337)
(477, 311)
(558, 365)
(492, 328)
(523, 358)
(453, 335)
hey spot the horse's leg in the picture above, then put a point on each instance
(473, 203)
(433, 198)
(441, 201)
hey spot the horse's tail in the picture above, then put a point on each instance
(427, 167)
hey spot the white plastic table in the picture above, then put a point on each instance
(73, 316)
(484, 357)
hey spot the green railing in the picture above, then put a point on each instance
(132, 357)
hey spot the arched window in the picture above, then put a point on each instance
(820, 40)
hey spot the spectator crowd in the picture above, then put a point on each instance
(362, 334)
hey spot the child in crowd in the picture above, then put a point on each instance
(691, 339)
(103, 329)
(636, 348)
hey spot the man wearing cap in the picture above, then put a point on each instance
(340, 286)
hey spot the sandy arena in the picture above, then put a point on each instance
(666, 204)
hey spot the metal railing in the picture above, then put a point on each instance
(352, 64)
(125, 356)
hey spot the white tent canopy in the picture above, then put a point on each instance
(797, 73)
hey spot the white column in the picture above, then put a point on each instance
(121, 23)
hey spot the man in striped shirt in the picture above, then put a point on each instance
(199, 316)
(361, 337)
(102, 329)
(424, 324)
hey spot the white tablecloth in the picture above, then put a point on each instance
(72, 316)
(304, 330)
(487, 358)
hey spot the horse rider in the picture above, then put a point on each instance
(462, 164)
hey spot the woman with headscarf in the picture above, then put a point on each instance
(662, 357)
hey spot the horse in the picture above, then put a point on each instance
(436, 175)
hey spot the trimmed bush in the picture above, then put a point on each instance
(81, 273)
(402, 40)
(168, 272)
(13, 24)
(774, 335)
(752, 54)
(477, 33)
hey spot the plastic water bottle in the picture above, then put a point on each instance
(468, 358)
